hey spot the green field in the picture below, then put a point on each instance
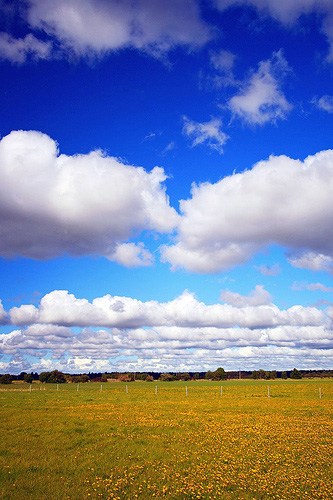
(78, 444)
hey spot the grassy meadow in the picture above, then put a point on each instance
(79, 444)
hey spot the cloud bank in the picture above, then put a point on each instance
(62, 308)
(122, 333)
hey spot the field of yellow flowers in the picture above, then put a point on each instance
(154, 441)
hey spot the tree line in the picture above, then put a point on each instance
(58, 377)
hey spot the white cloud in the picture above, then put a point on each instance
(106, 343)
(269, 270)
(132, 255)
(285, 11)
(18, 50)
(94, 27)
(170, 147)
(258, 297)
(313, 261)
(314, 287)
(61, 308)
(261, 99)
(168, 348)
(88, 204)
(325, 103)
(209, 133)
(43, 330)
(223, 62)
(196, 255)
(289, 11)
(280, 201)
(3, 314)
(319, 286)
(329, 312)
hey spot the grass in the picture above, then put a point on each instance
(71, 444)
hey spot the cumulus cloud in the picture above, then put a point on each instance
(132, 255)
(258, 297)
(209, 133)
(289, 11)
(62, 308)
(52, 204)
(18, 50)
(87, 27)
(261, 99)
(280, 201)
(324, 103)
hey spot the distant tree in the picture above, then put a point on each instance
(185, 376)
(44, 376)
(267, 375)
(273, 374)
(77, 379)
(149, 378)
(209, 375)
(255, 375)
(262, 374)
(28, 378)
(295, 374)
(21, 376)
(219, 374)
(104, 377)
(54, 377)
(167, 377)
(6, 379)
(284, 375)
(196, 376)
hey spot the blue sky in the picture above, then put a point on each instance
(166, 185)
